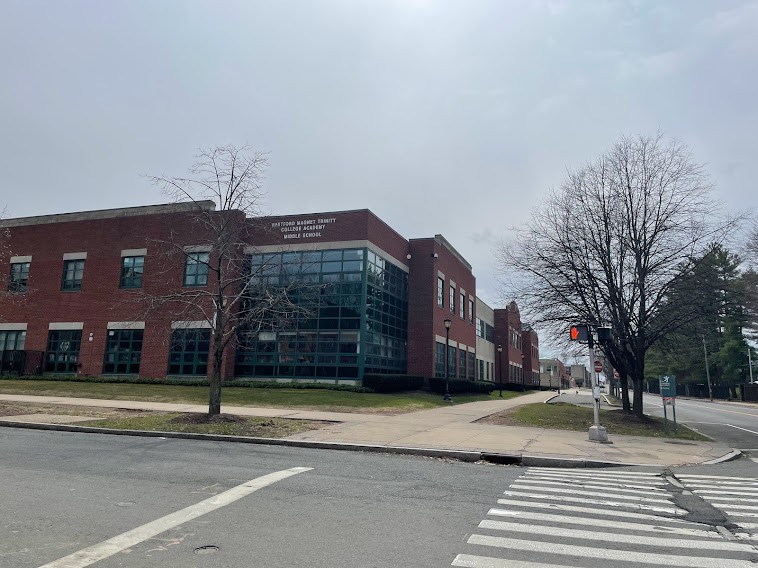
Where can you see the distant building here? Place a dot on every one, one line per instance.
(554, 373)
(580, 376)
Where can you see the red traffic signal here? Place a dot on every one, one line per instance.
(579, 333)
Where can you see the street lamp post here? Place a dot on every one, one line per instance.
(447, 397)
(500, 368)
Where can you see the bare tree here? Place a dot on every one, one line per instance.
(225, 294)
(610, 245)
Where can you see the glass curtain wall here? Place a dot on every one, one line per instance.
(351, 316)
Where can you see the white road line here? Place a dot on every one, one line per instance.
(640, 506)
(604, 523)
(643, 491)
(602, 472)
(608, 538)
(748, 526)
(721, 410)
(722, 484)
(743, 429)
(730, 506)
(109, 547)
(573, 481)
(471, 561)
(608, 554)
(594, 511)
(687, 477)
(602, 494)
(727, 495)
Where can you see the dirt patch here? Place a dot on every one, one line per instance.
(505, 418)
(9, 408)
(199, 418)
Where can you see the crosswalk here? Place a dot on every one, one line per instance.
(587, 518)
(737, 497)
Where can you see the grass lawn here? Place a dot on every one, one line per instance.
(317, 399)
(561, 416)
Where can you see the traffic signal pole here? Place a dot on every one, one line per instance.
(597, 432)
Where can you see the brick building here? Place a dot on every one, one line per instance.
(77, 285)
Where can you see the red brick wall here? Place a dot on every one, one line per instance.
(506, 320)
(530, 352)
(426, 319)
(100, 299)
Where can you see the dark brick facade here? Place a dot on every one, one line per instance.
(104, 235)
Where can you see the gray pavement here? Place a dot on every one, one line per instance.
(452, 428)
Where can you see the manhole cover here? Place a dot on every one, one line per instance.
(209, 549)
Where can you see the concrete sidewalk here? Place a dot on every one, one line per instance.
(446, 429)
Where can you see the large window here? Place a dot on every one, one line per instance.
(63, 350)
(12, 340)
(462, 363)
(471, 310)
(73, 273)
(351, 316)
(439, 359)
(123, 351)
(196, 269)
(471, 366)
(188, 354)
(451, 351)
(19, 277)
(440, 292)
(132, 268)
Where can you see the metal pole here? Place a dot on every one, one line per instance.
(447, 397)
(500, 368)
(750, 362)
(597, 433)
(707, 371)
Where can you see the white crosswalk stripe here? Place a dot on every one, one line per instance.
(737, 497)
(573, 519)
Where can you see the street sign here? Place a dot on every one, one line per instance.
(668, 400)
(616, 375)
(668, 386)
(598, 366)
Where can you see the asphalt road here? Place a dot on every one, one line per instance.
(62, 492)
(185, 503)
(733, 424)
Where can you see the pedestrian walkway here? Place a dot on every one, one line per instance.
(736, 497)
(574, 519)
(453, 428)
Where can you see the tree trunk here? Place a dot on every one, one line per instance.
(625, 393)
(638, 382)
(214, 401)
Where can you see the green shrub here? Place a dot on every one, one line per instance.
(189, 382)
(392, 383)
(437, 384)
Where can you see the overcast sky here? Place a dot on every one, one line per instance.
(450, 117)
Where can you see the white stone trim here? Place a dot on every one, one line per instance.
(306, 247)
(133, 252)
(453, 344)
(63, 325)
(126, 325)
(13, 326)
(462, 291)
(472, 350)
(441, 274)
(186, 324)
(197, 248)
(74, 256)
(439, 339)
(453, 284)
(17, 259)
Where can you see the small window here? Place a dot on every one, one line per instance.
(196, 269)
(471, 310)
(73, 272)
(62, 354)
(440, 292)
(12, 340)
(19, 277)
(132, 268)
(462, 307)
(452, 299)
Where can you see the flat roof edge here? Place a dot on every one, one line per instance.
(96, 214)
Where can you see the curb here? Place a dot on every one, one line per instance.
(525, 460)
(733, 455)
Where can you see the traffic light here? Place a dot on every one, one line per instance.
(603, 334)
(580, 333)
